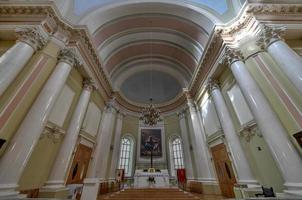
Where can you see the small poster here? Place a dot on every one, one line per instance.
(151, 140)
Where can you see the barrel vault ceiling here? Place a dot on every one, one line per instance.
(150, 48)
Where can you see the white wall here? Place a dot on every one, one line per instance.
(92, 119)
(62, 106)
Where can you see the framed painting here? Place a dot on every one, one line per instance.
(151, 139)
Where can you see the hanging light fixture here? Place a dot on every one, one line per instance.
(150, 115)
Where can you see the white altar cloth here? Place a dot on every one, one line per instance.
(161, 179)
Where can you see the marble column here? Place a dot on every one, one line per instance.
(57, 177)
(186, 145)
(116, 145)
(15, 58)
(25, 139)
(283, 151)
(98, 166)
(289, 61)
(203, 166)
(104, 142)
(244, 173)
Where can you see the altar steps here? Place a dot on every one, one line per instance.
(149, 194)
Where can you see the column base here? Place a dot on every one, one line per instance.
(246, 189)
(90, 188)
(249, 183)
(293, 189)
(10, 191)
(54, 185)
(54, 189)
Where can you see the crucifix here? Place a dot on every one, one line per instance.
(149, 145)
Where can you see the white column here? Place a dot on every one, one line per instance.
(15, 58)
(283, 151)
(59, 171)
(289, 61)
(104, 142)
(116, 146)
(203, 166)
(208, 154)
(98, 166)
(244, 173)
(23, 143)
(186, 145)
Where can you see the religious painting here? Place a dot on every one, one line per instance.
(151, 141)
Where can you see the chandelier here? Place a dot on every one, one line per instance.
(150, 115)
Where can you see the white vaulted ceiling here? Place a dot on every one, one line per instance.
(132, 37)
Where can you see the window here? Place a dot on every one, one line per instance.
(125, 155)
(177, 154)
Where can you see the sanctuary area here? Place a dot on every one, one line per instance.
(150, 99)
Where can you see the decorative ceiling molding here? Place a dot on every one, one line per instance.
(151, 49)
(154, 21)
(160, 58)
(135, 108)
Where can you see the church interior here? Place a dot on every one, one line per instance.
(150, 99)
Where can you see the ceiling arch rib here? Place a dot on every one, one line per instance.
(192, 47)
(177, 52)
(101, 15)
(164, 62)
(151, 49)
(155, 21)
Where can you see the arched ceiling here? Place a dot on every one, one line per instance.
(133, 37)
(140, 86)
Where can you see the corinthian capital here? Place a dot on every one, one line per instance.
(88, 84)
(232, 55)
(212, 84)
(269, 35)
(31, 36)
(181, 114)
(69, 56)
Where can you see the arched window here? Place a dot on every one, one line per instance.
(125, 161)
(177, 154)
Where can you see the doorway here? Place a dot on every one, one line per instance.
(79, 165)
(224, 170)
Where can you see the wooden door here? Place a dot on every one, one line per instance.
(224, 170)
(79, 165)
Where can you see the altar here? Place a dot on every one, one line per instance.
(161, 179)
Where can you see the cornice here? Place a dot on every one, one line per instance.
(167, 107)
(211, 52)
(257, 8)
